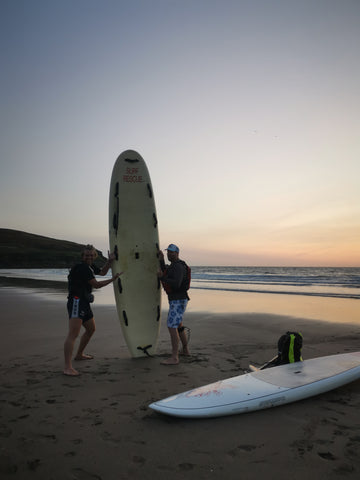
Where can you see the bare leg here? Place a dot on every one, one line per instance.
(184, 340)
(74, 330)
(174, 359)
(89, 326)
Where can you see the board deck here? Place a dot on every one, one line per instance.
(264, 388)
(134, 238)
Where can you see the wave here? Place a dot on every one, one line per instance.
(279, 292)
(310, 281)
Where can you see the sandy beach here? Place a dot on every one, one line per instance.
(99, 426)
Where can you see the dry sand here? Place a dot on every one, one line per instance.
(99, 426)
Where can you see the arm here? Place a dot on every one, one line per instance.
(161, 261)
(106, 267)
(96, 284)
(162, 265)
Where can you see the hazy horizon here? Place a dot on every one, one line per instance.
(245, 111)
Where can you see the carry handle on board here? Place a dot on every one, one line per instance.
(149, 190)
(116, 213)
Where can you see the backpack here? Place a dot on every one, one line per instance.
(289, 350)
(187, 279)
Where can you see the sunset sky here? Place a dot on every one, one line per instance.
(245, 111)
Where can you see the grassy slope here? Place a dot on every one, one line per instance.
(26, 250)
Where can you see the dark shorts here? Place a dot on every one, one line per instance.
(79, 308)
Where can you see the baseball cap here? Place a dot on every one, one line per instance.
(172, 248)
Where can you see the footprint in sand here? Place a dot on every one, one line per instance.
(139, 460)
(344, 469)
(327, 455)
(243, 449)
(80, 474)
(33, 464)
(186, 467)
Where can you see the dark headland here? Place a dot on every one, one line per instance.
(26, 250)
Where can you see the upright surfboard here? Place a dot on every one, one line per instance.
(264, 388)
(134, 238)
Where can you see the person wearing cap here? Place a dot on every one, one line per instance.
(175, 283)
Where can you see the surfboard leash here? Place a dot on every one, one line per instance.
(187, 332)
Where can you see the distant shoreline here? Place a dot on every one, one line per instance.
(338, 310)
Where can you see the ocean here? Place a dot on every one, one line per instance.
(330, 294)
(313, 281)
(334, 282)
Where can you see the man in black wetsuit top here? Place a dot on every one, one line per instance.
(81, 282)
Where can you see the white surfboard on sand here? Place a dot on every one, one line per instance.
(264, 388)
(133, 236)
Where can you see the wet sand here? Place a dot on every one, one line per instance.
(99, 426)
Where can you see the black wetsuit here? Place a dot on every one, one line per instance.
(80, 295)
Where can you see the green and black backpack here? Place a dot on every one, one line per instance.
(289, 348)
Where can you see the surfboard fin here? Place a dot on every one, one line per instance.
(145, 349)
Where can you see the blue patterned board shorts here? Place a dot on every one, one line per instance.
(176, 311)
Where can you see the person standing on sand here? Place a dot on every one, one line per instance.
(175, 283)
(81, 282)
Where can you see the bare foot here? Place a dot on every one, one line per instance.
(185, 352)
(71, 372)
(84, 356)
(170, 361)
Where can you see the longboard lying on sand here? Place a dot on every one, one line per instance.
(264, 388)
(134, 238)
